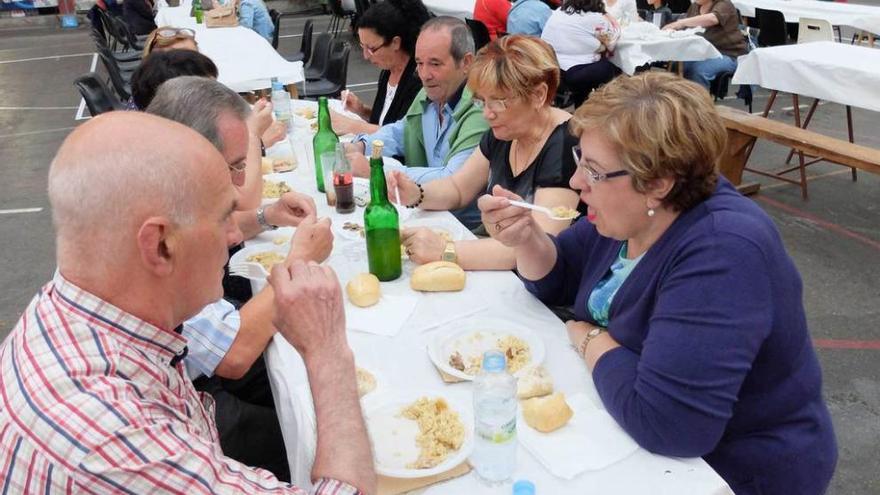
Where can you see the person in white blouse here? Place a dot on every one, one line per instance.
(624, 11)
(583, 36)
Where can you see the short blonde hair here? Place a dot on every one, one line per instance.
(662, 126)
(514, 65)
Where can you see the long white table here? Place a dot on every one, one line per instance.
(641, 43)
(838, 72)
(401, 362)
(244, 59)
(456, 8)
(864, 17)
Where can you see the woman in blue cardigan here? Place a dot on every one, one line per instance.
(689, 309)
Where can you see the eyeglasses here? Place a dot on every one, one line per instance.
(237, 168)
(168, 35)
(372, 50)
(494, 105)
(592, 175)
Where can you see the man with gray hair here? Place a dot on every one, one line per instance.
(225, 344)
(93, 393)
(442, 126)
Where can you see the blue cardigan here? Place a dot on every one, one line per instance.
(715, 358)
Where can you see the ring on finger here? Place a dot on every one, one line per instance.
(498, 227)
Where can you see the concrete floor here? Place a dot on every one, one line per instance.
(834, 237)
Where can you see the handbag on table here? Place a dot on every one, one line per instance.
(226, 16)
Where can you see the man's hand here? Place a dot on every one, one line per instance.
(276, 132)
(309, 311)
(312, 241)
(360, 166)
(409, 190)
(290, 209)
(422, 245)
(510, 225)
(260, 118)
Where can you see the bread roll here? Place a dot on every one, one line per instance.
(534, 381)
(546, 414)
(366, 382)
(438, 276)
(267, 166)
(363, 290)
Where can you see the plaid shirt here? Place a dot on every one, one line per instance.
(90, 402)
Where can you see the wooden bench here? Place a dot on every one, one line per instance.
(743, 129)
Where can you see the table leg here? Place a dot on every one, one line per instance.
(849, 130)
(766, 112)
(806, 123)
(294, 94)
(801, 167)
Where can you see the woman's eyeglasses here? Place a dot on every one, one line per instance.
(494, 105)
(372, 50)
(592, 175)
(168, 35)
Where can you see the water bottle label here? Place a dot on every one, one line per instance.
(497, 434)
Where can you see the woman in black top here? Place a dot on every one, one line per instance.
(387, 33)
(528, 151)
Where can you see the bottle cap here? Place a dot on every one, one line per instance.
(523, 487)
(494, 361)
(377, 149)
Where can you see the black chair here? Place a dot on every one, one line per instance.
(338, 15)
(305, 48)
(720, 86)
(97, 95)
(121, 83)
(480, 33)
(771, 24)
(125, 56)
(320, 54)
(276, 21)
(335, 75)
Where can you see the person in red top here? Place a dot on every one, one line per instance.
(493, 13)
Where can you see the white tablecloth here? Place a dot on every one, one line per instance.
(641, 43)
(244, 59)
(838, 72)
(401, 362)
(456, 8)
(865, 17)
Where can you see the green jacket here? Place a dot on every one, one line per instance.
(465, 134)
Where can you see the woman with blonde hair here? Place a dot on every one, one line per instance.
(528, 150)
(690, 313)
(170, 38)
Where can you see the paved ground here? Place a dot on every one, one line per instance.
(834, 237)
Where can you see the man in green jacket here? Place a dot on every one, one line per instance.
(442, 126)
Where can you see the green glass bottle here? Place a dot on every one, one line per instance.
(381, 224)
(197, 11)
(324, 141)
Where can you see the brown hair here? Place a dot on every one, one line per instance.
(514, 65)
(662, 126)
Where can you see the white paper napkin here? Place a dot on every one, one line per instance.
(591, 440)
(384, 318)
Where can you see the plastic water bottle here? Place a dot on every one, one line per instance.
(494, 456)
(281, 103)
(523, 487)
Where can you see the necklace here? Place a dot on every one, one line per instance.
(533, 150)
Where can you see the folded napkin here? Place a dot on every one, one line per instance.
(384, 318)
(397, 486)
(437, 309)
(590, 441)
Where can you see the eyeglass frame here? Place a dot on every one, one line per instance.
(179, 34)
(371, 50)
(238, 167)
(591, 174)
(481, 103)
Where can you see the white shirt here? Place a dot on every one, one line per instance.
(624, 11)
(573, 36)
(390, 91)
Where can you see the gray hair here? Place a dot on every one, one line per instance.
(198, 103)
(462, 42)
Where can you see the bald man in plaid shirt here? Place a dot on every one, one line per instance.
(94, 397)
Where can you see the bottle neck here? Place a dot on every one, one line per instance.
(324, 123)
(378, 188)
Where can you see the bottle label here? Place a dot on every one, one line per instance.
(497, 433)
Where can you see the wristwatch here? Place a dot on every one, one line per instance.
(592, 334)
(449, 252)
(261, 219)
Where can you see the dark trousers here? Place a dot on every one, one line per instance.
(581, 80)
(246, 420)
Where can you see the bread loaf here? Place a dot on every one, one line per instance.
(363, 290)
(366, 382)
(546, 414)
(438, 276)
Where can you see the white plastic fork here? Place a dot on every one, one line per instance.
(542, 209)
(247, 269)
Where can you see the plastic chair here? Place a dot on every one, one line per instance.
(276, 21)
(305, 48)
(120, 85)
(335, 75)
(480, 33)
(338, 15)
(320, 53)
(97, 95)
(772, 27)
(814, 30)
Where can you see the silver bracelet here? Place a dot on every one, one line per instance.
(261, 219)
